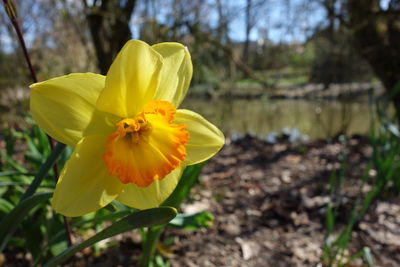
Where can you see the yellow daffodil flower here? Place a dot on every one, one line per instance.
(131, 142)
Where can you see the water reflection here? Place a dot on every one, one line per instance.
(314, 118)
(263, 117)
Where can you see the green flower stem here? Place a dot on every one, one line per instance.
(149, 245)
(188, 180)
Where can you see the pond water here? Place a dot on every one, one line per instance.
(262, 117)
(310, 118)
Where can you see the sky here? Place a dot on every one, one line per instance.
(280, 23)
(277, 21)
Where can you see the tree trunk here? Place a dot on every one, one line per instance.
(248, 21)
(109, 28)
(376, 34)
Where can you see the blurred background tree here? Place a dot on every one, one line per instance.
(289, 72)
(376, 34)
(109, 27)
(265, 42)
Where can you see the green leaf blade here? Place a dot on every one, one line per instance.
(44, 169)
(10, 222)
(144, 218)
(194, 221)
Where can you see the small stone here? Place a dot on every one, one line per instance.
(233, 229)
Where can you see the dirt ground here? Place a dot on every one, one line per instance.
(269, 203)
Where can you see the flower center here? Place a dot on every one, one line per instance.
(132, 127)
(148, 147)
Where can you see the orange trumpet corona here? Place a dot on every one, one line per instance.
(148, 147)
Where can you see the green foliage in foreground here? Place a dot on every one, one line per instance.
(144, 218)
(27, 220)
(386, 162)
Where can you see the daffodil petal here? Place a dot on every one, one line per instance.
(63, 106)
(132, 80)
(153, 195)
(101, 123)
(205, 140)
(85, 184)
(176, 72)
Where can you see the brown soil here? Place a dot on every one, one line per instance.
(269, 203)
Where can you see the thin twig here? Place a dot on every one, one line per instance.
(68, 230)
(11, 11)
(12, 14)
